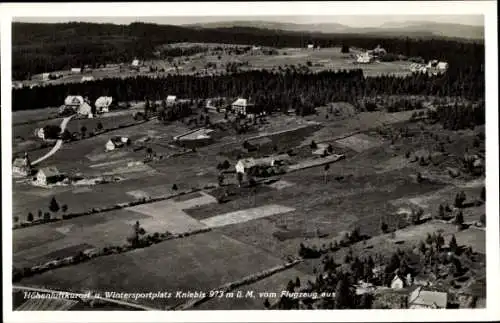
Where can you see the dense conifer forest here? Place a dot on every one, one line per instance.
(60, 46)
(41, 48)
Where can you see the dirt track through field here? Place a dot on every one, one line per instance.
(58, 144)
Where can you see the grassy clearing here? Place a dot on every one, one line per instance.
(359, 142)
(189, 264)
(28, 116)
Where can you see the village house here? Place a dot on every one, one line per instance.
(78, 104)
(48, 175)
(242, 106)
(87, 78)
(364, 58)
(425, 299)
(40, 133)
(73, 101)
(377, 52)
(76, 70)
(103, 103)
(135, 65)
(171, 99)
(116, 142)
(397, 282)
(245, 165)
(22, 166)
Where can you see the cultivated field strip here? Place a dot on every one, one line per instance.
(245, 215)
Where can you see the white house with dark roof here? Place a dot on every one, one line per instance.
(48, 175)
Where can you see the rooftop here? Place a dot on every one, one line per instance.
(50, 171)
(241, 102)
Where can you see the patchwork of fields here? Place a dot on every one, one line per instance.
(255, 227)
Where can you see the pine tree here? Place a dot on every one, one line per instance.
(343, 295)
(54, 206)
(453, 244)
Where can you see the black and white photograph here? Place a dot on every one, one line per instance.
(250, 159)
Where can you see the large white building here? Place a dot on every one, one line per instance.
(103, 103)
(242, 106)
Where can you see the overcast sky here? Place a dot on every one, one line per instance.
(354, 21)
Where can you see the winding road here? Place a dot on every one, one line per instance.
(58, 144)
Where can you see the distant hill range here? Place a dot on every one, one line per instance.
(422, 29)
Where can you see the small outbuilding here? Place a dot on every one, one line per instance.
(116, 142)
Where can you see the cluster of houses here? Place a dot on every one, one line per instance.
(241, 106)
(82, 106)
(22, 167)
(420, 292)
(370, 55)
(116, 142)
(76, 104)
(434, 67)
